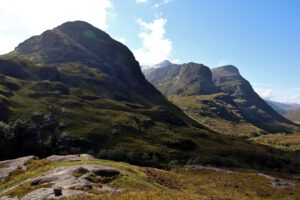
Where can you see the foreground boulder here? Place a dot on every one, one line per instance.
(8, 166)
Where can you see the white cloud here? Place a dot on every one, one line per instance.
(264, 93)
(164, 2)
(156, 47)
(22, 19)
(141, 1)
(276, 93)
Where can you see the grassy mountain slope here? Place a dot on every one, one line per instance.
(133, 182)
(74, 89)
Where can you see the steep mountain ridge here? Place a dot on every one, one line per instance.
(253, 107)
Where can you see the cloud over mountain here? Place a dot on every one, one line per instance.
(156, 47)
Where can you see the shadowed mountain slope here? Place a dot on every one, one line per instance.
(253, 107)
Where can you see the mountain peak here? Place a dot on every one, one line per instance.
(227, 69)
(183, 79)
(163, 64)
(76, 41)
(82, 28)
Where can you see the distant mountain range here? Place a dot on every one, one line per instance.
(290, 111)
(219, 98)
(294, 115)
(282, 108)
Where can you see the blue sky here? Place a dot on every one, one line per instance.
(260, 37)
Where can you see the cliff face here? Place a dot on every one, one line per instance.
(252, 106)
(184, 80)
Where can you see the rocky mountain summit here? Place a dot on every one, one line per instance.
(187, 79)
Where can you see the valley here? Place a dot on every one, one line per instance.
(74, 102)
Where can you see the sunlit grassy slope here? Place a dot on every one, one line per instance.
(180, 183)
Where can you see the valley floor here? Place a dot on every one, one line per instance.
(84, 177)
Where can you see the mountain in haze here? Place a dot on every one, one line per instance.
(219, 98)
(294, 115)
(290, 111)
(74, 89)
(282, 108)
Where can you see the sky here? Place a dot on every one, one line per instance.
(261, 38)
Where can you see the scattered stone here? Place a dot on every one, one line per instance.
(9, 198)
(276, 182)
(80, 171)
(83, 187)
(57, 191)
(48, 193)
(40, 181)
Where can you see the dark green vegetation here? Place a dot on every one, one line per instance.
(191, 182)
(74, 89)
(219, 98)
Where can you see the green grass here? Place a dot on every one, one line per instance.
(280, 141)
(150, 183)
(195, 108)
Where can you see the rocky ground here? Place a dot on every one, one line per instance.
(84, 177)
